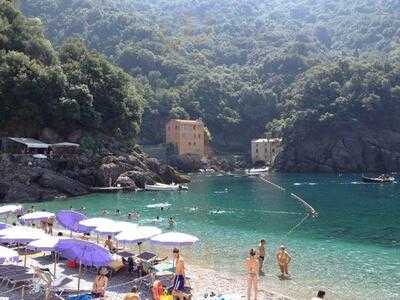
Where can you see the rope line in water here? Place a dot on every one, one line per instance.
(302, 201)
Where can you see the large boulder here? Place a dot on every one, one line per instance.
(186, 162)
(141, 177)
(108, 173)
(51, 180)
(4, 188)
(170, 175)
(126, 182)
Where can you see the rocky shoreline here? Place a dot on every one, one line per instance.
(24, 178)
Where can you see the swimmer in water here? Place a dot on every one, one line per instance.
(104, 212)
(171, 222)
(129, 216)
(117, 212)
(83, 208)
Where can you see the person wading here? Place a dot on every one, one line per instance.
(252, 268)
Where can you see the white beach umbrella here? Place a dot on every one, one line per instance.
(37, 216)
(96, 222)
(7, 254)
(174, 239)
(138, 234)
(47, 243)
(21, 234)
(6, 209)
(115, 227)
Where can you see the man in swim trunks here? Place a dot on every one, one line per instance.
(283, 258)
(252, 268)
(110, 245)
(261, 256)
(179, 279)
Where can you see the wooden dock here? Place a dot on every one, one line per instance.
(111, 189)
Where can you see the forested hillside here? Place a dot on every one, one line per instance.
(244, 65)
(69, 90)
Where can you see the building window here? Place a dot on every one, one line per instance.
(256, 150)
(190, 144)
(194, 144)
(176, 126)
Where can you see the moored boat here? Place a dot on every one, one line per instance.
(255, 171)
(165, 187)
(379, 179)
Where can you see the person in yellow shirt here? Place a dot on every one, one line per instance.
(133, 295)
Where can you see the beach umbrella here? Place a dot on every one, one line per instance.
(7, 254)
(46, 243)
(37, 216)
(4, 225)
(137, 235)
(86, 253)
(174, 239)
(21, 235)
(70, 220)
(115, 227)
(6, 209)
(92, 223)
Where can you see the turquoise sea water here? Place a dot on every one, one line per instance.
(352, 250)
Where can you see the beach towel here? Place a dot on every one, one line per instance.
(81, 297)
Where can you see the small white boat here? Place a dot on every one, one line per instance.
(258, 171)
(165, 187)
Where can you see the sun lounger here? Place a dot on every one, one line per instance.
(16, 279)
(147, 256)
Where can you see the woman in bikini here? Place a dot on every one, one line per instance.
(100, 284)
(252, 268)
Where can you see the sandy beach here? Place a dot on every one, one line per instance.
(204, 282)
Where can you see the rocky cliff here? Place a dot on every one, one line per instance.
(351, 150)
(24, 178)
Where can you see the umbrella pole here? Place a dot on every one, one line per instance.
(79, 277)
(55, 264)
(25, 258)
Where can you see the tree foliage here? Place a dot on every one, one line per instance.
(65, 90)
(241, 64)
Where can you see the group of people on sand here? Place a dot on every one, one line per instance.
(255, 264)
(177, 290)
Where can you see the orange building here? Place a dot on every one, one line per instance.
(187, 135)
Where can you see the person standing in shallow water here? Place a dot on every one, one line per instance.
(283, 258)
(252, 268)
(261, 256)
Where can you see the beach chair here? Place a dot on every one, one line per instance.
(147, 256)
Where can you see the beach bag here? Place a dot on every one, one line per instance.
(72, 264)
(167, 297)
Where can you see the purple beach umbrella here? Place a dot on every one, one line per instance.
(3, 225)
(70, 220)
(86, 253)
